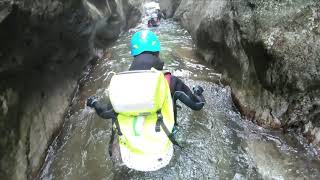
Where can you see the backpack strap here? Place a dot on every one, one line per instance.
(167, 75)
(159, 119)
(111, 141)
(116, 123)
(165, 129)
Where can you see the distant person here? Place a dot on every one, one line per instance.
(153, 21)
(164, 14)
(159, 15)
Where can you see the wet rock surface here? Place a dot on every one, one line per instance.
(169, 6)
(269, 53)
(44, 48)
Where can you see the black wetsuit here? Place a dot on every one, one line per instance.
(159, 15)
(152, 23)
(178, 89)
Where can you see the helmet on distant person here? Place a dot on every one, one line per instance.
(144, 40)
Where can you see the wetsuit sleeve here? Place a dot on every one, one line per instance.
(185, 95)
(104, 110)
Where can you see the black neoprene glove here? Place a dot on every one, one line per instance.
(91, 100)
(198, 90)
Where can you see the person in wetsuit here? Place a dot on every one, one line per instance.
(145, 48)
(153, 21)
(160, 15)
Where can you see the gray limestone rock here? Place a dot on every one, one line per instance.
(44, 47)
(169, 6)
(267, 50)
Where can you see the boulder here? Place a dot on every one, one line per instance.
(267, 50)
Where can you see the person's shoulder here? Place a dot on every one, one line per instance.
(175, 79)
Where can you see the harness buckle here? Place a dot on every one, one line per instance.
(159, 121)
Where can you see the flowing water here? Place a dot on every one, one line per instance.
(218, 142)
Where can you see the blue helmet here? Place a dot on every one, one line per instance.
(144, 41)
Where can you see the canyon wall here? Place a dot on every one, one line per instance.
(44, 48)
(268, 51)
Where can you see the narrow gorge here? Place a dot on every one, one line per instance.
(258, 62)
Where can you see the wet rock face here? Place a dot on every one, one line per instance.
(169, 6)
(270, 51)
(44, 47)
